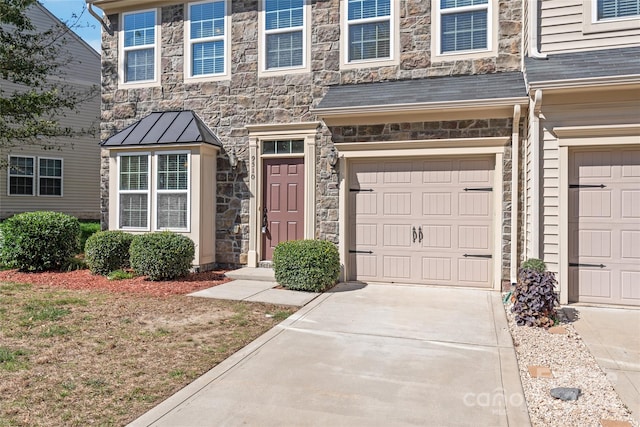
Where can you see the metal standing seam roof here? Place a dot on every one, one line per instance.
(169, 127)
(429, 90)
(584, 65)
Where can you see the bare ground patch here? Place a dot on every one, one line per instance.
(94, 357)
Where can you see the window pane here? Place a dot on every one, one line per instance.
(361, 9)
(50, 187)
(50, 167)
(207, 20)
(172, 210)
(208, 58)
(297, 146)
(283, 147)
(20, 185)
(133, 210)
(140, 65)
(21, 166)
(172, 172)
(283, 14)
(618, 8)
(134, 173)
(284, 50)
(139, 28)
(447, 4)
(369, 41)
(269, 147)
(464, 31)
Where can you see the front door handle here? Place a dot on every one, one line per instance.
(265, 221)
(420, 235)
(415, 235)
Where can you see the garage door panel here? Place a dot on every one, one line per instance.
(366, 234)
(631, 285)
(437, 204)
(397, 173)
(474, 172)
(366, 204)
(474, 237)
(474, 204)
(437, 171)
(396, 267)
(472, 272)
(397, 235)
(396, 203)
(436, 269)
(366, 266)
(436, 236)
(604, 226)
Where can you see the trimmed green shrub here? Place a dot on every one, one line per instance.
(534, 298)
(161, 256)
(39, 241)
(106, 251)
(306, 265)
(534, 264)
(86, 230)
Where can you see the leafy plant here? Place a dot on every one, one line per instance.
(306, 265)
(86, 230)
(534, 298)
(39, 241)
(534, 264)
(106, 251)
(120, 275)
(161, 256)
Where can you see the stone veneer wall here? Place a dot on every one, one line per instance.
(245, 99)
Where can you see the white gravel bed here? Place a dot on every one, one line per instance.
(573, 366)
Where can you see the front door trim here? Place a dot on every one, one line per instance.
(305, 131)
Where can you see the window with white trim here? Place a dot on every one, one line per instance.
(133, 191)
(284, 32)
(613, 9)
(49, 177)
(21, 176)
(139, 35)
(206, 38)
(172, 191)
(464, 25)
(369, 29)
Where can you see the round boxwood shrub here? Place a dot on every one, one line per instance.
(161, 256)
(39, 241)
(306, 265)
(106, 251)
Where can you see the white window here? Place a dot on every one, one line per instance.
(464, 25)
(172, 191)
(139, 46)
(206, 39)
(369, 28)
(133, 191)
(21, 176)
(49, 177)
(613, 9)
(284, 34)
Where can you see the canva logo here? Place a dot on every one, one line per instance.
(496, 399)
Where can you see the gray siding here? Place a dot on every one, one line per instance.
(81, 155)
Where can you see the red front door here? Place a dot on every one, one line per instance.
(283, 204)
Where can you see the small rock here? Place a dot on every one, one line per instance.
(540, 372)
(614, 423)
(565, 393)
(557, 330)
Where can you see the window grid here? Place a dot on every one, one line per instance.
(21, 176)
(284, 33)
(50, 177)
(369, 29)
(289, 146)
(139, 33)
(611, 9)
(172, 191)
(207, 38)
(463, 25)
(134, 191)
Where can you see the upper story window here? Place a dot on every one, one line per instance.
(369, 29)
(611, 9)
(26, 180)
(284, 29)
(139, 46)
(464, 25)
(206, 39)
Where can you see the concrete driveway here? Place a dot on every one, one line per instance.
(366, 355)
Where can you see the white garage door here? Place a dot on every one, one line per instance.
(425, 221)
(604, 226)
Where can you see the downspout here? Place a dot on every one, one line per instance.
(103, 21)
(533, 31)
(515, 154)
(535, 175)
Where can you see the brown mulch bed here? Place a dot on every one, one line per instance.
(84, 280)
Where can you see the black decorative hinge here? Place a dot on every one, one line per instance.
(479, 189)
(587, 186)
(579, 264)
(477, 256)
(357, 190)
(360, 252)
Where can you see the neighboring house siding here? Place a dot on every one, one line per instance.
(250, 98)
(80, 155)
(563, 29)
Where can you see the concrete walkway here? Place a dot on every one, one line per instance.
(613, 338)
(377, 355)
